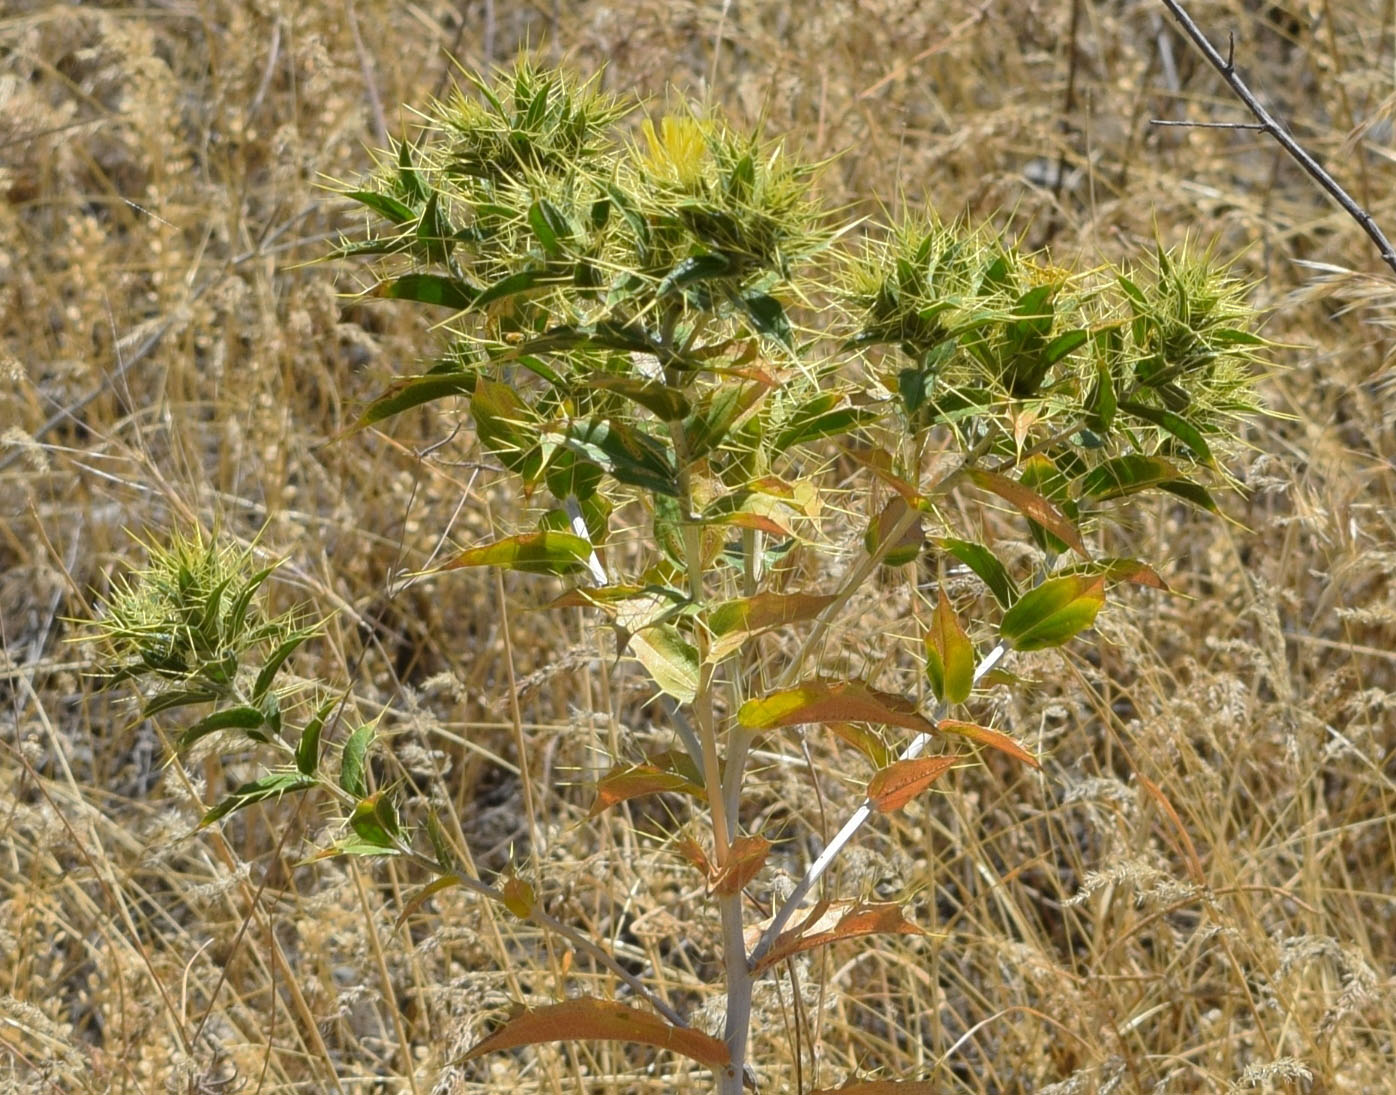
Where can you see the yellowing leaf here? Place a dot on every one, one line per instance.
(745, 859)
(830, 922)
(733, 622)
(549, 552)
(984, 736)
(671, 661)
(586, 1018)
(865, 741)
(1030, 504)
(1053, 612)
(949, 655)
(908, 545)
(822, 700)
(897, 784)
(519, 897)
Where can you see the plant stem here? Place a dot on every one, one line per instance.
(860, 816)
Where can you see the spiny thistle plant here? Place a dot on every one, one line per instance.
(671, 323)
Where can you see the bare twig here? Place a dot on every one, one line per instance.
(1226, 66)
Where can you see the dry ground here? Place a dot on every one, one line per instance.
(1200, 893)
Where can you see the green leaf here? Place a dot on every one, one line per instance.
(232, 718)
(430, 289)
(408, 176)
(985, 564)
(374, 820)
(1125, 475)
(546, 552)
(258, 790)
(352, 761)
(510, 286)
(434, 231)
(383, 204)
(308, 748)
(627, 453)
(801, 430)
(667, 403)
(1191, 492)
(670, 659)
(275, 662)
(1054, 612)
(549, 225)
(413, 391)
(949, 655)
(180, 697)
(768, 317)
(1175, 424)
(696, 268)
(1062, 345)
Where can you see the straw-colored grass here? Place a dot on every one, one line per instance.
(1199, 892)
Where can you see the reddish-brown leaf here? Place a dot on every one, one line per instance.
(640, 779)
(984, 736)
(519, 897)
(882, 1087)
(744, 862)
(586, 1018)
(1030, 504)
(834, 921)
(897, 784)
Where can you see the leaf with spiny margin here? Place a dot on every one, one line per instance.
(768, 317)
(982, 735)
(626, 453)
(1054, 612)
(821, 700)
(831, 922)
(586, 1018)
(745, 859)
(276, 661)
(1124, 475)
(696, 268)
(384, 205)
(413, 391)
(549, 225)
(436, 289)
(1175, 424)
(731, 623)
(985, 564)
(898, 783)
(546, 552)
(352, 761)
(230, 718)
(374, 820)
(1030, 504)
(672, 661)
(866, 741)
(666, 403)
(308, 748)
(1192, 492)
(179, 697)
(665, 772)
(258, 790)
(949, 655)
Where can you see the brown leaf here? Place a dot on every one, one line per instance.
(882, 1087)
(897, 784)
(1030, 504)
(744, 862)
(984, 736)
(835, 921)
(585, 1018)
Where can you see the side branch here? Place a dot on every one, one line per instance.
(850, 828)
(1226, 66)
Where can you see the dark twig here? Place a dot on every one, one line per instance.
(1226, 66)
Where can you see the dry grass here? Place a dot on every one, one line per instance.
(1196, 896)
